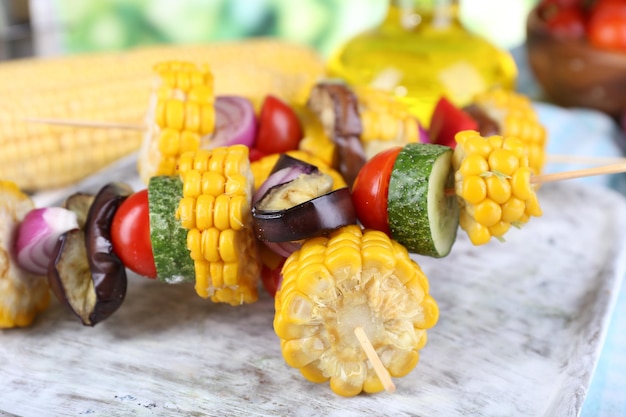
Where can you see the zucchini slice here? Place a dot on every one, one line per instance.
(167, 235)
(421, 216)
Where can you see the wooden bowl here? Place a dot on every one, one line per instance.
(572, 73)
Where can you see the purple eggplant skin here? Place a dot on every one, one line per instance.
(345, 129)
(69, 276)
(314, 217)
(107, 270)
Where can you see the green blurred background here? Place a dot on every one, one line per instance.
(53, 27)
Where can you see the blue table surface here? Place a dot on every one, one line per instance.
(590, 133)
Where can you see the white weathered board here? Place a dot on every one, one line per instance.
(521, 326)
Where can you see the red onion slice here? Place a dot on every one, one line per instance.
(38, 234)
(235, 122)
(285, 170)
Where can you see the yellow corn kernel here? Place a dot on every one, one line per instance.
(210, 245)
(204, 211)
(186, 212)
(213, 183)
(192, 184)
(201, 269)
(189, 141)
(487, 212)
(238, 207)
(194, 244)
(169, 142)
(513, 210)
(313, 373)
(498, 189)
(472, 189)
(478, 234)
(499, 229)
(520, 184)
(503, 161)
(221, 212)
(473, 164)
(201, 161)
(477, 145)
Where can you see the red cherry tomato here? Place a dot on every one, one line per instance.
(564, 21)
(607, 24)
(130, 235)
(370, 189)
(279, 127)
(271, 278)
(447, 120)
(255, 154)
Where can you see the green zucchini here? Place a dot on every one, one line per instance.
(421, 216)
(167, 235)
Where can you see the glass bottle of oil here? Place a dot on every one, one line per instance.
(422, 51)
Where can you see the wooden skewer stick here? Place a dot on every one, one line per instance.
(579, 173)
(85, 123)
(379, 368)
(582, 159)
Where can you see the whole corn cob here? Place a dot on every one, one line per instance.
(516, 117)
(352, 278)
(115, 87)
(22, 294)
(492, 181)
(215, 208)
(183, 111)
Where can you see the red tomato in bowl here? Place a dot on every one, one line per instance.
(130, 235)
(371, 188)
(607, 24)
(279, 127)
(563, 20)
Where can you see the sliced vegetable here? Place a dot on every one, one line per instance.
(37, 236)
(107, 270)
(235, 122)
(280, 220)
(215, 210)
(370, 190)
(448, 119)
(130, 235)
(169, 238)
(296, 202)
(286, 169)
(352, 278)
(337, 108)
(422, 216)
(279, 127)
(69, 276)
(85, 274)
(492, 183)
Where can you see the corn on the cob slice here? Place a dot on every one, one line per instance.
(386, 121)
(516, 117)
(183, 115)
(215, 208)
(22, 294)
(352, 278)
(115, 87)
(492, 181)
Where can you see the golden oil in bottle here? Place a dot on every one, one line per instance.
(421, 51)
